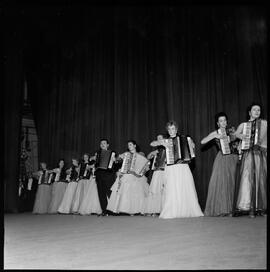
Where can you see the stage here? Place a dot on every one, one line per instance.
(138, 242)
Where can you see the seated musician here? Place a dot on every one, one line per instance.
(250, 193)
(154, 199)
(130, 188)
(105, 173)
(180, 196)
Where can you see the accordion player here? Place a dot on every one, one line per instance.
(224, 142)
(105, 159)
(252, 131)
(134, 163)
(180, 149)
(159, 160)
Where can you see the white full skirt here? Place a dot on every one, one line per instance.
(180, 196)
(153, 203)
(78, 196)
(65, 206)
(58, 192)
(90, 201)
(128, 194)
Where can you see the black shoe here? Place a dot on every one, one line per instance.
(263, 213)
(109, 212)
(104, 214)
(236, 214)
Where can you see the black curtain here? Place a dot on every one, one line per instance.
(122, 72)
(12, 106)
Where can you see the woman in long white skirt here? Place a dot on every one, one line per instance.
(180, 196)
(84, 175)
(58, 187)
(65, 206)
(43, 195)
(154, 201)
(90, 203)
(129, 192)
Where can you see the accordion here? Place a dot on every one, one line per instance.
(105, 159)
(135, 164)
(159, 160)
(51, 178)
(252, 131)
(224, 143)
(179, 149)
(45, 178)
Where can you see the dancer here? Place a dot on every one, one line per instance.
(180, 197)
(105, 175)
(130, 189)
(43, 195)
(251, 195)
(90, 202)
(154, 199)
(84, 176)
(58, 187)
(222, 182)
(73, 173)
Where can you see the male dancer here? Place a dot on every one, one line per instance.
(104, 179)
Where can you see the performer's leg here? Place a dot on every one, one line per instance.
(101, 187)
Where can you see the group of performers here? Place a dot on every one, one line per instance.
(109, 184)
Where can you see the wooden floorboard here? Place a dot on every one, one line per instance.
(124, 242)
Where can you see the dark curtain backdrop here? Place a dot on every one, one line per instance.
(12, 108)
(122, 72)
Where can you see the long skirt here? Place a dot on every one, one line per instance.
(90, 201)
(77, 200)
(180, 196)
(128, 194)
(65, 206)
(251, 192)
(153, 203)
(43, 198)
(58, 191)
(221, 186)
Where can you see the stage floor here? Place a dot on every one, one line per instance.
(138, 242)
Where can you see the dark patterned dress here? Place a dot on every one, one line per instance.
(222, 182)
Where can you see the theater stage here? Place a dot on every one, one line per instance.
(124, 242)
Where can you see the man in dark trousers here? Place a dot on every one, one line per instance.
(105, 175)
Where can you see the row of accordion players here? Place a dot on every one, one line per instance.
(75, 190)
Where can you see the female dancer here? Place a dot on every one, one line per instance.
(222, 182)
(84, 175)
(43, 195)
(128, 191)
(251, 195)
(73, 173)
(58, 187)
(90, 202)
(180, 197)
(154, 199)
